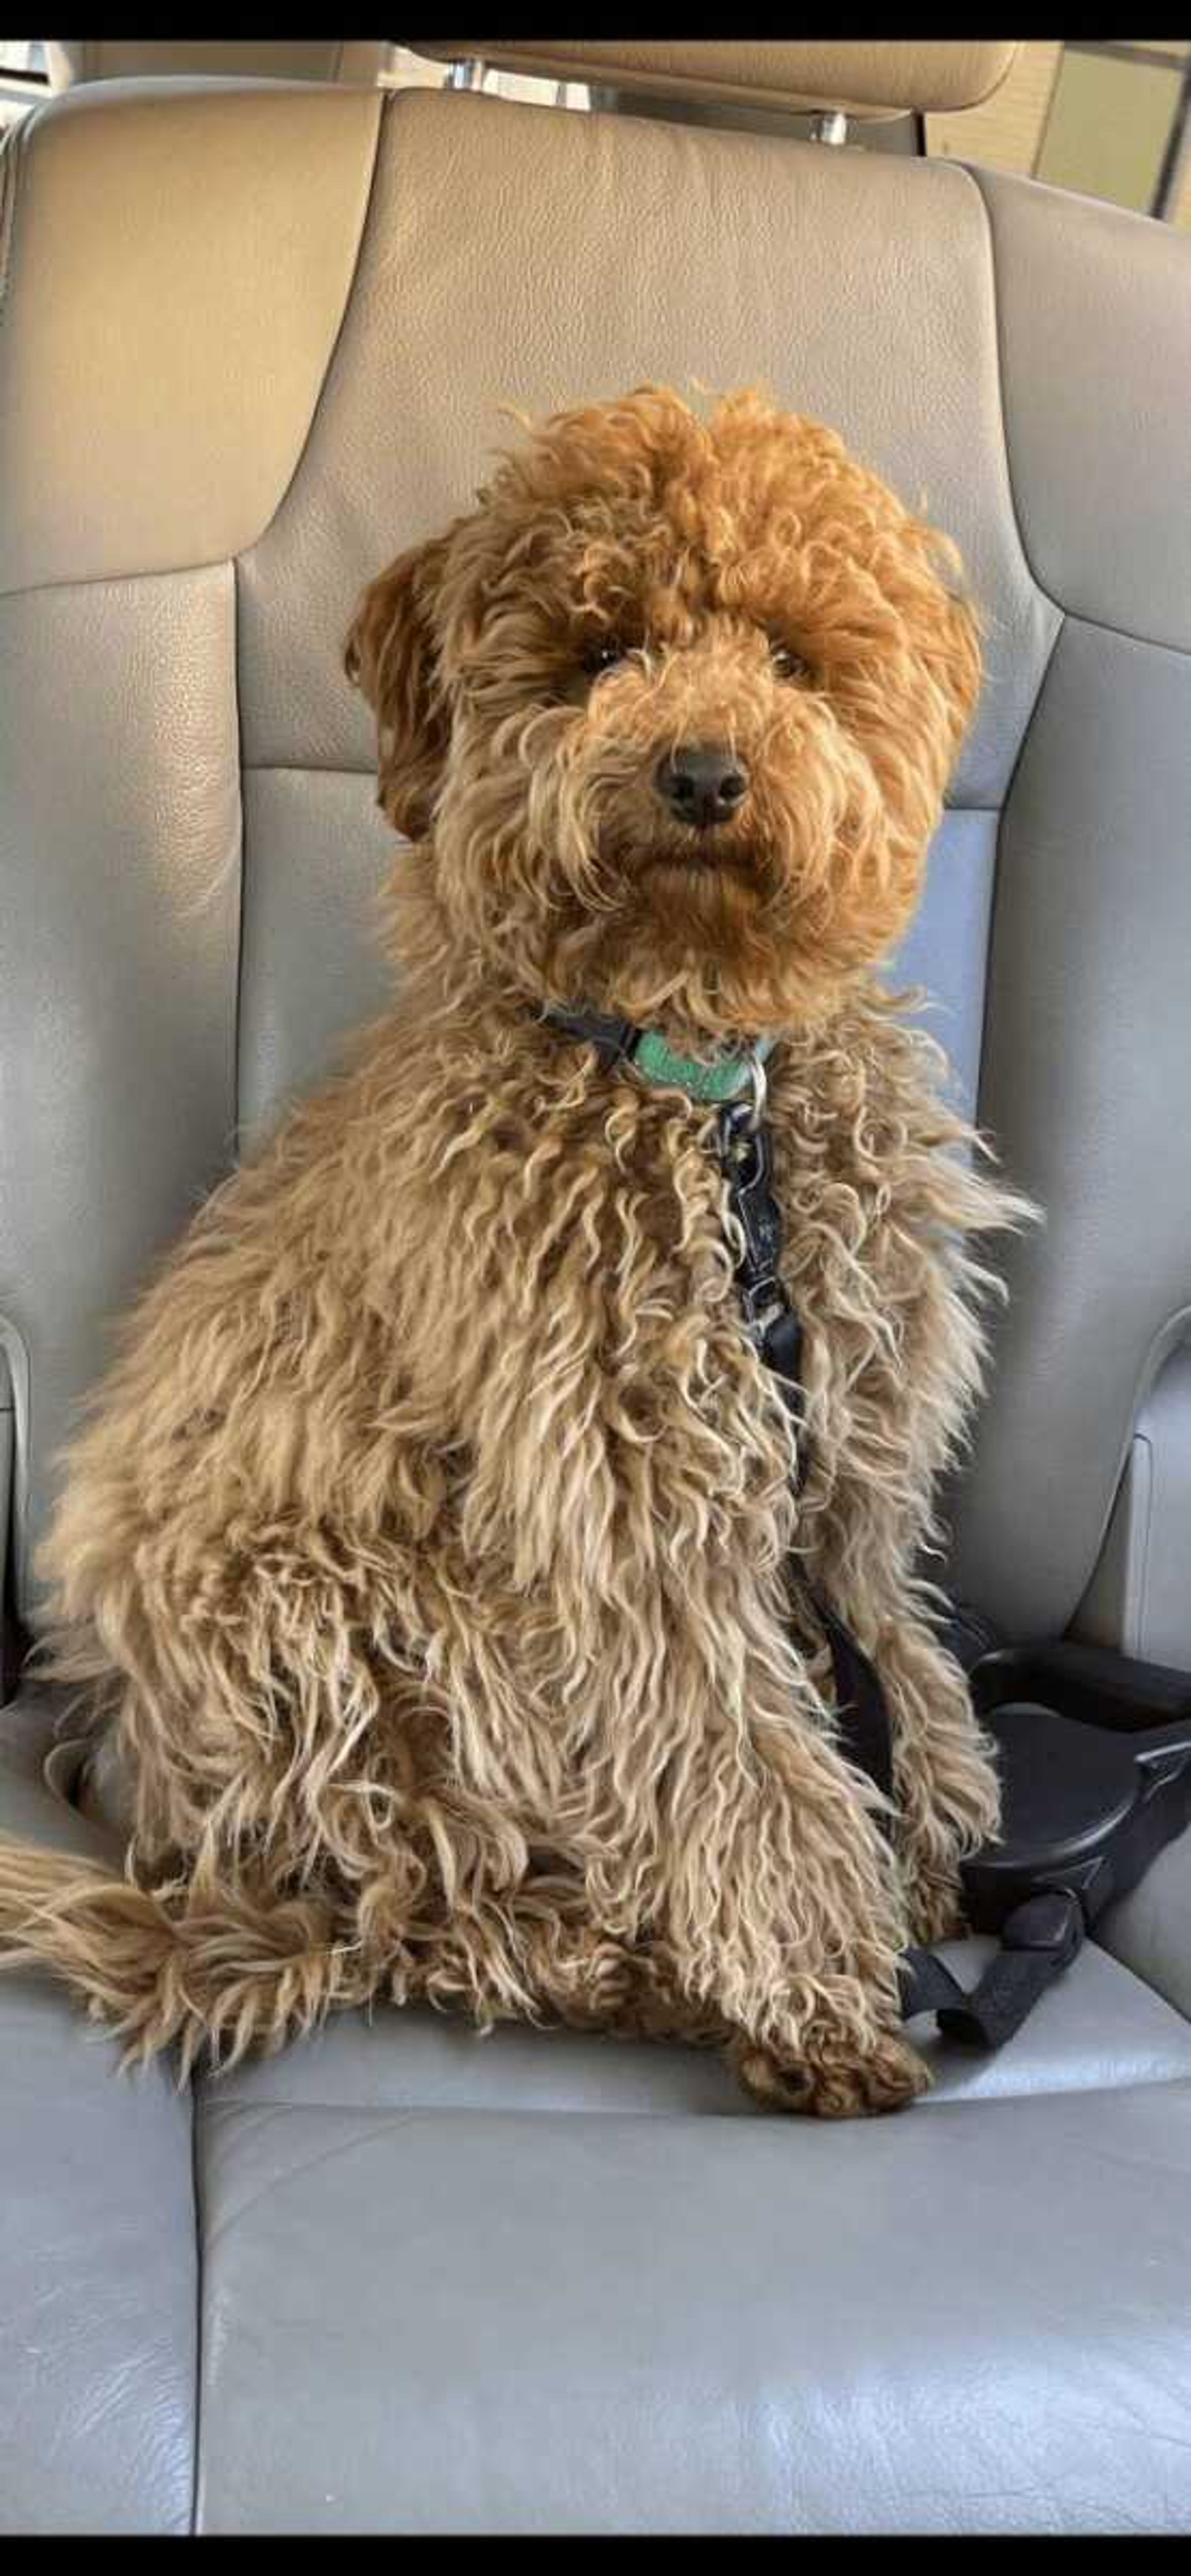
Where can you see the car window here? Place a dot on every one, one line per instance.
(1106, 119)
(22, 58)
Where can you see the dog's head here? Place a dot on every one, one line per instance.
(674, 709)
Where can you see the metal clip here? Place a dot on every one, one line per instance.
(762, 1302)
(760, 1083)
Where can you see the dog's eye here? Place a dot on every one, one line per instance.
(602, 654)
(788, 664)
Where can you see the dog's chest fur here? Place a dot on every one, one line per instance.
(615, 1426)
(583, 1469)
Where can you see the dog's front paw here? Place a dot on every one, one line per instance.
(884, 2078)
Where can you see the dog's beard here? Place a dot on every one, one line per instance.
(569, 878)
(704, 934)
(724, 896)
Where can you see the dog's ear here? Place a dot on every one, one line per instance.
(391, 655)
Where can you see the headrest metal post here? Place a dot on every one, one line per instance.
(468, 74)
(830, 126)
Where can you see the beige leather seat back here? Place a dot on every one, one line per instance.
(224, 405)
(96, 58)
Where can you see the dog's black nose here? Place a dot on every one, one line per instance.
(702, 784)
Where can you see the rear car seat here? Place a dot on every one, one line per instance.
(252, 343)
(220, 57)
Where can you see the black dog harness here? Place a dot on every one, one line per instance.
(1092, 1788)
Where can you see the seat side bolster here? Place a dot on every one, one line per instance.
(30, 1810)
(1150, 1930)
(1094, 337)
(98, 2321)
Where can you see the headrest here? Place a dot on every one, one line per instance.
(884, 78)
(104, 58)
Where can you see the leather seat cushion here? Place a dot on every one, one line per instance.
(519, 2320)
(543, 2283)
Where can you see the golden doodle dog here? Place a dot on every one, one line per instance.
(427, 1547)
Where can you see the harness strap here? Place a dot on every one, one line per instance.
(861, 1705)
(862, 1710)
(613, 1039)
(1038, 1941)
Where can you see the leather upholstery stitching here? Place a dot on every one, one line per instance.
(199, 2290)
(994, 900)
(20, 1379)
(973, 179)
(243, 906)
(336, 336)
(12, 147)
(1135, 1645)
(1162, 1342)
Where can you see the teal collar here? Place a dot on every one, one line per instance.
(621, 1042)
(723, 1080)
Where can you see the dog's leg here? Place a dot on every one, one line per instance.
(891, 1387)
(591, 1980)
(944, 1779)
(781, 1908)
(285, 1838)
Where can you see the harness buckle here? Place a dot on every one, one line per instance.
(1050, 1920)
(762, 1302)
(759, 1082)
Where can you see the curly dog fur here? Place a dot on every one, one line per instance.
(425, 1546)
